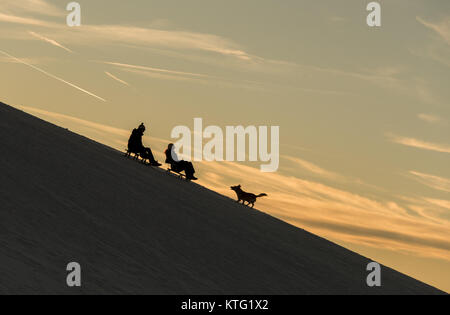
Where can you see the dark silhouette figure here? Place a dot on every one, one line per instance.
(245, 196)
(135, 146)
(178, 166)
(135, 142)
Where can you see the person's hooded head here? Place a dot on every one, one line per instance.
(141, 127)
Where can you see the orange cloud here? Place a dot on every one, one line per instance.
(415, 143)
(433, 181)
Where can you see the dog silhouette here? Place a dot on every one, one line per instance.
(245, 196)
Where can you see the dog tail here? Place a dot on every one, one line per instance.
(261, 195)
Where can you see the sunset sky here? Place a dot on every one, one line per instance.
(364, 113)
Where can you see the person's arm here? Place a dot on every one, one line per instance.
(174, 156)
(168, 157)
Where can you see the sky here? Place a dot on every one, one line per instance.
(364, 113)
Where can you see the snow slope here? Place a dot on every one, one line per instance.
(135, 229)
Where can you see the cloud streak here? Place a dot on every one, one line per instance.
(11, 60)
(179, 40)
(147, 37)
(152, 69)
(166, 74)
(433, 181)
(116, 78)
(50, 41)
(311, 167)
(416, 143)
(442, 28)
(31, 6)
(429, 118)
(53, 76)
(23, 20)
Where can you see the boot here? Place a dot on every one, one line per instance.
(155, 163)
(191, 177)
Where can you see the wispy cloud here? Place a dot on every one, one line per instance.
(384, 76)
(6, 59)
(179, 40)
(429, 118)
(52, 76)
(311, 167)
(152, 69)
(416, 143)
(50, 41)
(439, 202)
(433, 181)
(31, 6)
(186, 42)
(434, 210)
(441, 28)
(163, 76)
(435, 52)
(9, 18)
(116, 78)
(168, 74)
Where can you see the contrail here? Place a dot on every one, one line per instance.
(153, 69)
(50, 41)
(116, 78)
(53, 76)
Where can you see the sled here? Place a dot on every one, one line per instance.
(128, 154)
(177, 174)
(137, 157)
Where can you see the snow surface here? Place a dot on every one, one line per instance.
(135, 229)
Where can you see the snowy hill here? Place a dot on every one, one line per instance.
(135, 229)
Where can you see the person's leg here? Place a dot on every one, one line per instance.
(189, 170)
(149, 155)
(133, 149)
(140, 150)
(177, 167)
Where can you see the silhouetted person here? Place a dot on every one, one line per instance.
(178, 166)
(135, 145)
(135, 142)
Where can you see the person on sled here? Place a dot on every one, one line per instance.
(178, 166)
(135, 145)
